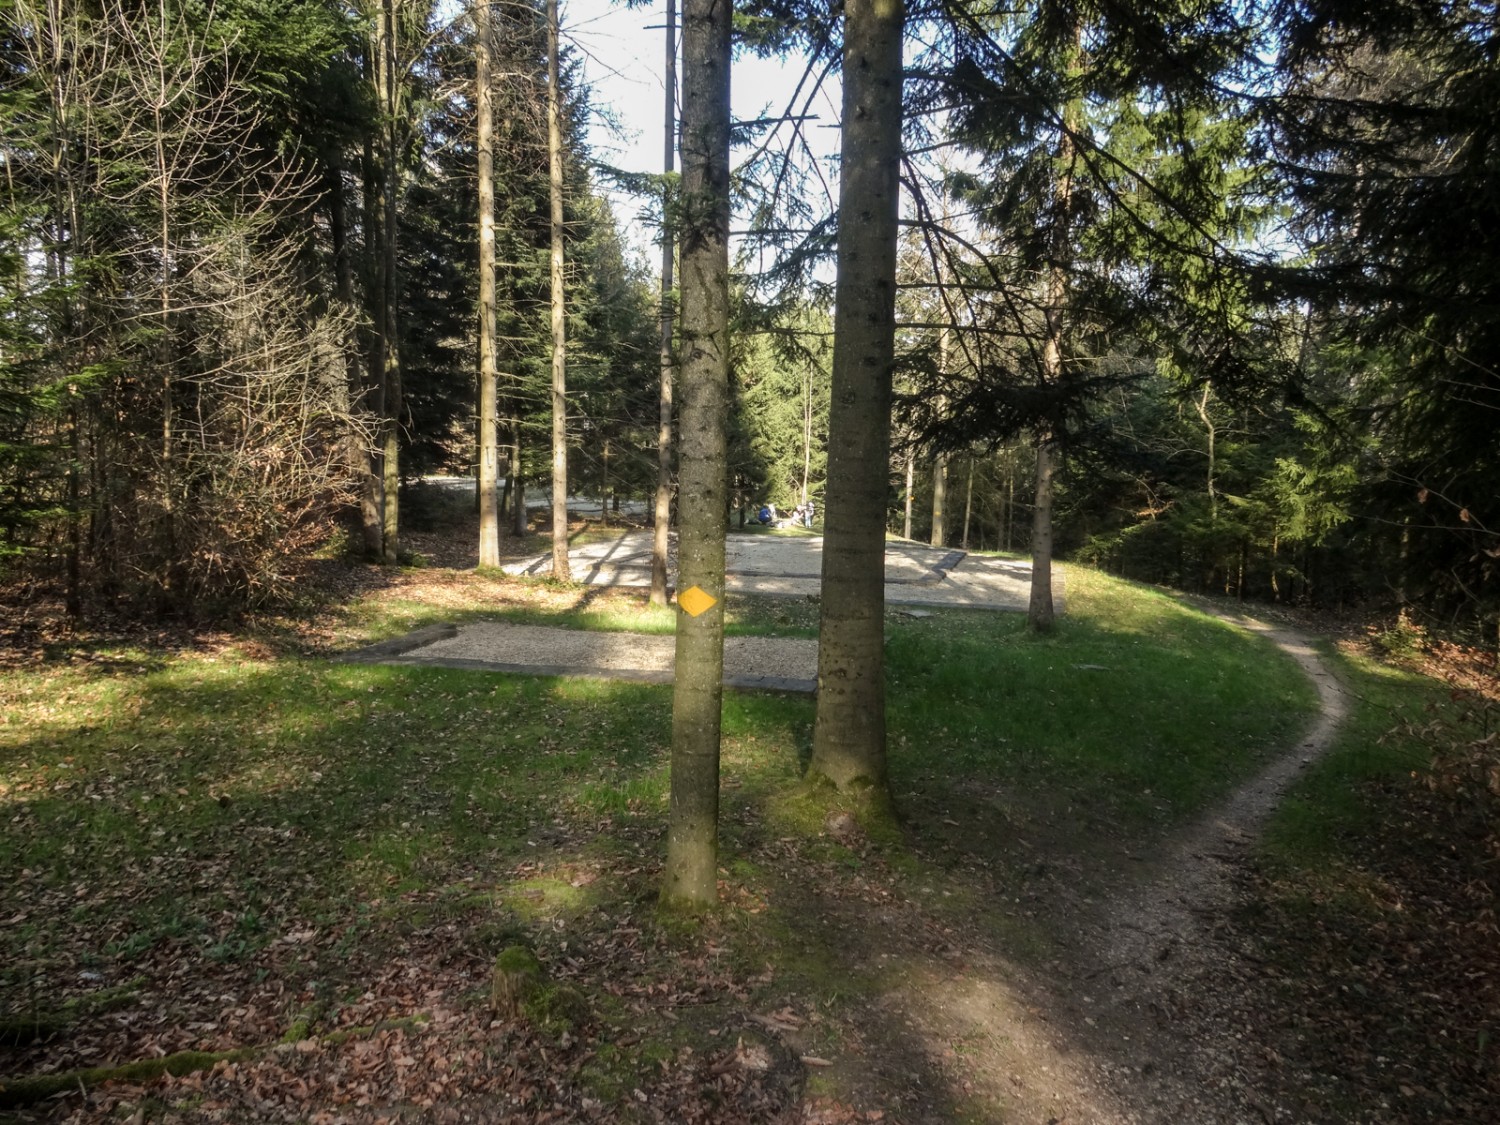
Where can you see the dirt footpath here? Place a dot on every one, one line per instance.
(1144, 1014)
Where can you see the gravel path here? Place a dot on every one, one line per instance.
(792, 566)
(750, 663)
(762, 565)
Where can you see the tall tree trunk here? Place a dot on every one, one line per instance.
(663, 515)
(489, 422)
(939, 535)
(939, 498)
(354, 362)
(849, 732)
(1039, 613)
(164, 351)
(1211, 472)
(391, 290)
(807, 420)
(604, 487)
(1010, 496)
(372, 479)
(968, 504)
(691, 876)
(66, 213)
(911, 472)
(560, 568)
(518, 487)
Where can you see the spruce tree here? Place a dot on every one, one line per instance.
(690, 879)
(849, 732)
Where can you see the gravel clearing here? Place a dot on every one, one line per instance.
(761, 565)
(792, 566)
(750, 663)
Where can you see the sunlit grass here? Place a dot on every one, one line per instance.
(1137, 703)
(208, 805)
(1331, 805)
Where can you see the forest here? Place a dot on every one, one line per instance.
(1226, 265)
(1181, 308)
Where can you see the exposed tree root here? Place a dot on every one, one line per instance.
(18, 1092)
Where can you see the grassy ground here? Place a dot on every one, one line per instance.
(240, 840)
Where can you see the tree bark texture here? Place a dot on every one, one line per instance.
(849, 733)
(940, 462)
(489, 436)
(968, 506)
(1039, 613)
(391, 291)
(939, 498)
(560, 568)
(663, 515)
(518, 482)
(691, 876)
(372, 482)
(911, 473)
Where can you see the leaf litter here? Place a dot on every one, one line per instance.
(385, 986)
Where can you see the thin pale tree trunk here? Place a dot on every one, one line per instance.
(939, 498)
(489, 436)
(663, 515)
(164, 348)
(690, 880)
(939, 536)
(807, 419)
(1210, 482)
(518, 482)
(560, 568)
(66, 210)
(849, 731)
(390, 285)
(911, 473)
(968, 504)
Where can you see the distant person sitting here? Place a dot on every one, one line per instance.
(767, 514)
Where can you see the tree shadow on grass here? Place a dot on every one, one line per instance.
(274, 835)
(281, 832)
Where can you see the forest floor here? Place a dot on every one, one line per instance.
(227, 844)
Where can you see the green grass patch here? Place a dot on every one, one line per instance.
(243, 795)
(1331, 805)
(1138, 707)
(216, 810)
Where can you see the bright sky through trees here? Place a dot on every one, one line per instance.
(623, 62)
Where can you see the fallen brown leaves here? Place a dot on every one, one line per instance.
(448, 1059)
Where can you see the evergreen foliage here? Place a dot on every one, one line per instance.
(1269, 286)
(1385, 116)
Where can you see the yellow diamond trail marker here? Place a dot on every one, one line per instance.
(696, 600)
